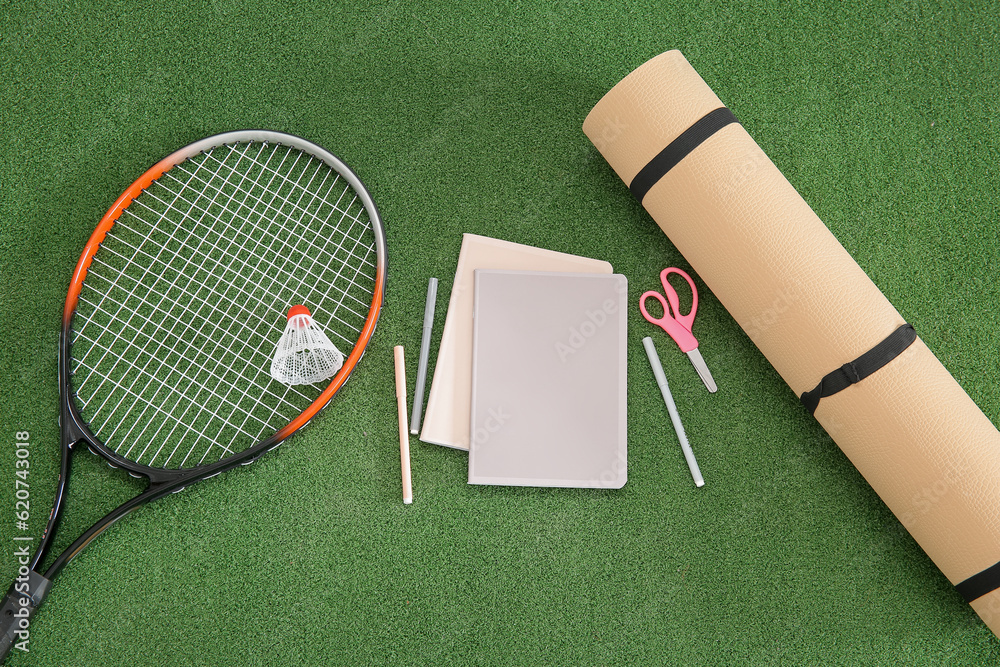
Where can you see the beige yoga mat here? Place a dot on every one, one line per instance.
(909, 428)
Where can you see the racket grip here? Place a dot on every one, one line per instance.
(18, 608)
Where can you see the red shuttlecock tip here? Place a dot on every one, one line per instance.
(297, 310)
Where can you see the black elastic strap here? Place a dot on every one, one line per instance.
(860, 368)
(689, 139)
(980, 584)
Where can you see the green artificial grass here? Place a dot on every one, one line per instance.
(469, 120)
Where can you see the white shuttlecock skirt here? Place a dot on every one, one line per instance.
(304, 354)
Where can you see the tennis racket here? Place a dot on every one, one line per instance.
(175, 307)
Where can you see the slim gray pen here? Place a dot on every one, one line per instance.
(425, 348)
(661, 380)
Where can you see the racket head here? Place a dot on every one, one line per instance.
(181, 292)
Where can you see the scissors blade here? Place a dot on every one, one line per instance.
(699, 365)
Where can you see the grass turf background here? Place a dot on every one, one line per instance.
(468, 120)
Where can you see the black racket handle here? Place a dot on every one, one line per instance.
(18, 608)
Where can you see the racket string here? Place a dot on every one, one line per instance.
(122, 303)
(315, 216)
(346, 211)
(149, 404)
(358, 318)
(169, 314)
(116, 333)
(312, 246)
(249, 295)
(232, 222)
(257, 352)
(340, 271)
(294, 250)
(213, 373)
(318, 277)
(246, 342)
(258, 367)
(152, 377)
(172, 332)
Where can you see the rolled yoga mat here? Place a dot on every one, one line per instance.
(836, 340)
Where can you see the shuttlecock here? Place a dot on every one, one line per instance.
(304, 354)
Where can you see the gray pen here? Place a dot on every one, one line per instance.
(425, 347)
(661, 380)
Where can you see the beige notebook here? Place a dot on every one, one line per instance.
(446, 421)
(548, 380)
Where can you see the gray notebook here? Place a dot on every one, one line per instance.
(548, 380)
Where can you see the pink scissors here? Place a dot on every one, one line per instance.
(677, 325)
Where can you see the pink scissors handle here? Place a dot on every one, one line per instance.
(677, 325)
